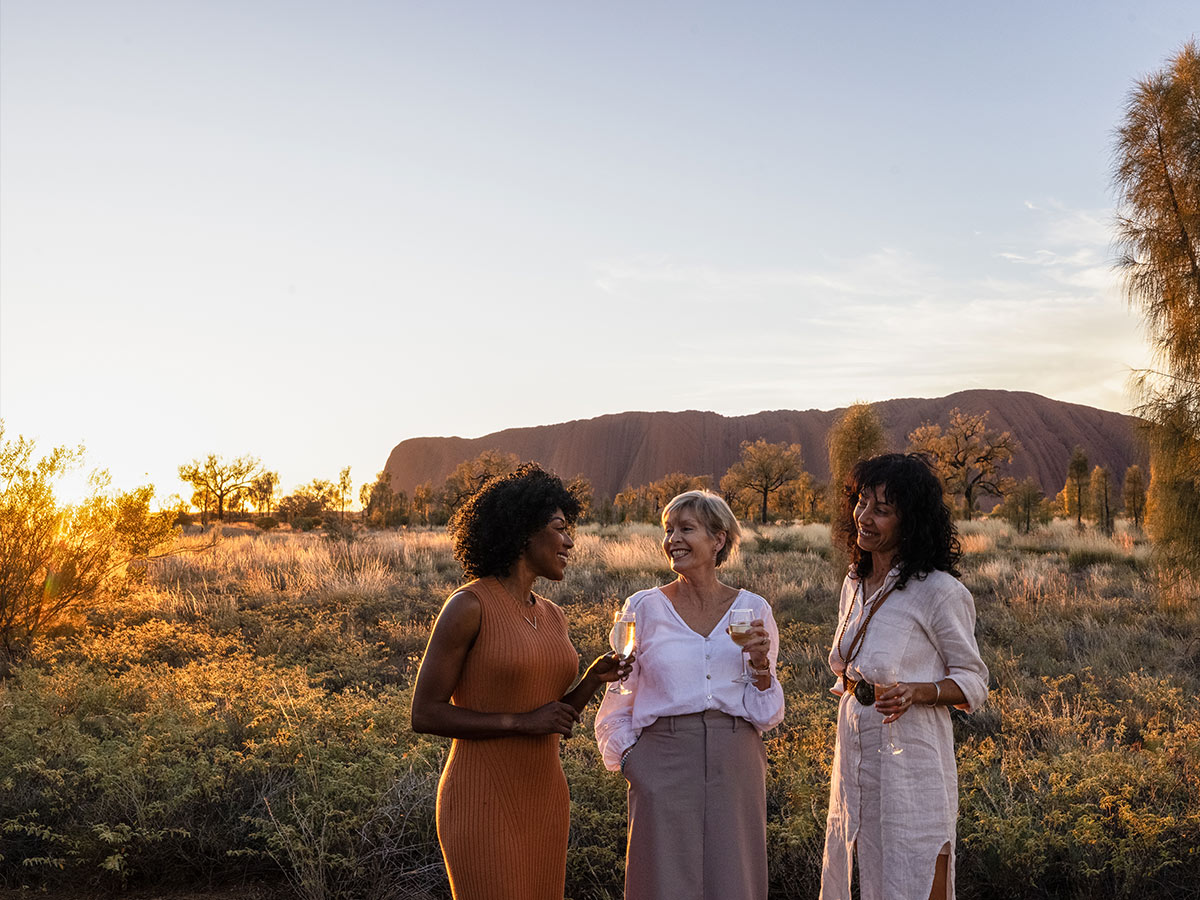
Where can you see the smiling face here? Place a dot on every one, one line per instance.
(548, 549)
(878, 524)
(688, 543)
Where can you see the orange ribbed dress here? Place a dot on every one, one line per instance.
(503, 809)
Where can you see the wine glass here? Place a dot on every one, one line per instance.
(885, 676)
(739, 630)
(624, 637)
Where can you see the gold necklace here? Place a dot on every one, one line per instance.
(532, 622)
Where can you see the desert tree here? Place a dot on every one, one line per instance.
(856, 434)
(262, 491)
(672, 485)
(968, 456)
(1156, 174)
(55, 558)
(382, 505)
(1075, 493)
(581, 487)
(308, 502)
(1024, 506)
(344, 488)
(1133, 495)
(762, 470)
(1100, 492)
(636, 504)
(422, 503)
(469, 475)
(220, 480)
(801, 498)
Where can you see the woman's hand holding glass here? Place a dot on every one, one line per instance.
(751, 635)
(623, 640)
(609, 667)
(892, 699)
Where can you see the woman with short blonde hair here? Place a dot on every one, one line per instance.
(688, 735)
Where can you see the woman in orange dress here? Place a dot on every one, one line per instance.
(496, 677)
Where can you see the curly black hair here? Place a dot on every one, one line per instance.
(491, 529)
(928, 538)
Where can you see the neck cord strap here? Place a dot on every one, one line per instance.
(856, 642)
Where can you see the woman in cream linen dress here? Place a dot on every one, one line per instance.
(900, 607)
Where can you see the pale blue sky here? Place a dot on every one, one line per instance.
(307, 231)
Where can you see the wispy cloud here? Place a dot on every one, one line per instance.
(890, 323)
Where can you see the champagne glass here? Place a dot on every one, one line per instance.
(886, 676)
(624, 637)
(739, 630)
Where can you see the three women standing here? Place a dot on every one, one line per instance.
(904, 652)
(495, 677)
(688, 735)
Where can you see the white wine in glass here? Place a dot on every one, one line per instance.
(624, 638)
(739, 630)
(885, 677)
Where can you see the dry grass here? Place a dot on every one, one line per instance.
(1080, 778)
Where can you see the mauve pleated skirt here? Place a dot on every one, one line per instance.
(697, 810)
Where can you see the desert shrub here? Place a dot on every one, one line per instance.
(243, 713)
(266, 523)
(59, 558)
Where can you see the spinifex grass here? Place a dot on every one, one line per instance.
(242, 712)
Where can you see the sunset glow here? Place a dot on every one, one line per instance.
(308, 233)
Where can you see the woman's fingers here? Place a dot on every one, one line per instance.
(554, 717)
(893, 702)
(759, 644)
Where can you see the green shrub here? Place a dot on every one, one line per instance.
(243, 714)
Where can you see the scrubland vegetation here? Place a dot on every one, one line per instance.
(240, 716)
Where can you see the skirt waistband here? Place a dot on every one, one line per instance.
(710, 718)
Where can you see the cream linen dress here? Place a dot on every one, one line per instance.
(899, 809)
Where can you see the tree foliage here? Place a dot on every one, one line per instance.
(1133, 495)
(582, 489)
(1075, 495)
(968, 456)
(383, 506)
(262, 491)
(762, 470)
(857, 434)
(218, 481)
(469, 475)
(1024, 506)
(308, 503)
(54, 558)
(1157, 179)
(1100, 490)
(344, 487)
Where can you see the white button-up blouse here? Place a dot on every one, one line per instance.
(678, 671)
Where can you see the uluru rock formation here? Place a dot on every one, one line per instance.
(634, 448)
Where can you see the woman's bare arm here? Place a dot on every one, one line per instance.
(454, 632)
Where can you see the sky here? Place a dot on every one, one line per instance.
(307, 231)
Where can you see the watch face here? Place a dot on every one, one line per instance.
(864, 693)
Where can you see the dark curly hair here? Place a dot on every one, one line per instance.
(491, 529)
(928, 540)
